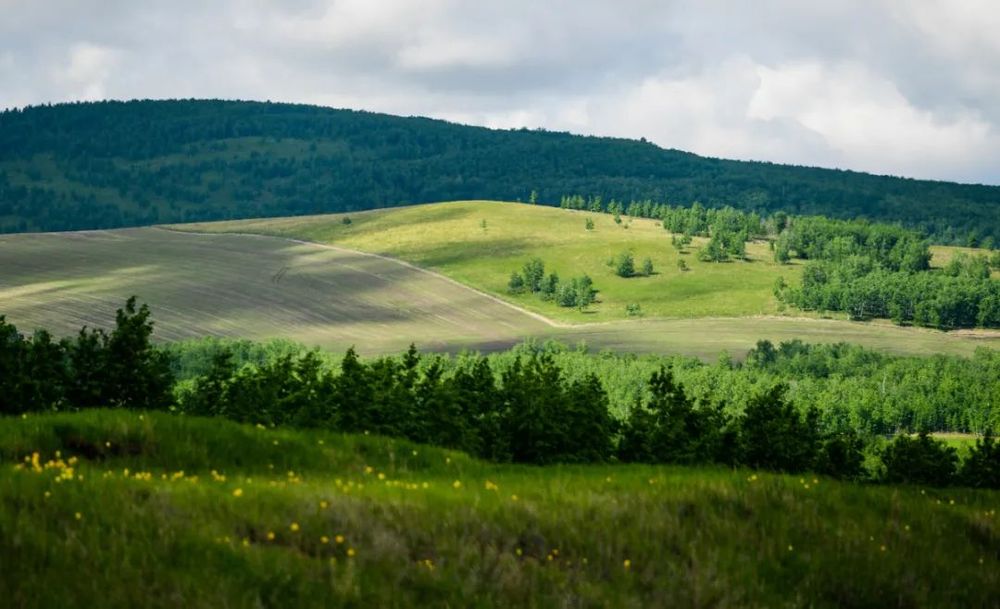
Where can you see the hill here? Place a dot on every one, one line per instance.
(247, 287)
(259, 287)
(118, 509)
(112, 164)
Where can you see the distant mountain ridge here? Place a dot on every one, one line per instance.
(111, 164)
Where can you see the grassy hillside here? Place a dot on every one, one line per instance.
(257, 287)
(248, 287)
(111, 164)
(450, 238)
(120, 509)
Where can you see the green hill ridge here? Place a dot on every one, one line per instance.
(113, 164)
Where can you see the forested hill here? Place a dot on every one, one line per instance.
(109, 164)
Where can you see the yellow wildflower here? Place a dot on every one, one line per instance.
(339, 539)
(457, 484)
(270, 535)
(350, 551)
(324, 539)
(627, 563)
(294, 527)
(237, 492)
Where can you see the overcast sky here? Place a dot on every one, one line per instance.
(906, 87)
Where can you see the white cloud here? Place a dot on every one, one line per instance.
(87, 70)
(898, 86)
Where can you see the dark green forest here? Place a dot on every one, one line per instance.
(113, 164)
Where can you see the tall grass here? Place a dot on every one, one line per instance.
(163, 510)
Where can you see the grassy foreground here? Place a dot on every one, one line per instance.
(122, 509)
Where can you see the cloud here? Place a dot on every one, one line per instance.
(891, 86)
(86, 71)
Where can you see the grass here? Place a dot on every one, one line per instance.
(737, 296)
(248, 287)
(257, 287)
(162, 510)
(449, 238)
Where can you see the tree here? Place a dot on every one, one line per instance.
(840, 456)
(920, 460)
(625, 265)
(589, 224)
(138, 375)
(533, 198)
(566, 296)
(583, 286)
(346, 221)
(516, 283)
(647, 267)
(549, 287)
(773, 435)
(533, 273)
(981, 468)
(670, 429)
(714, 250)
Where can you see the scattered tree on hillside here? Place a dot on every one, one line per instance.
(647, 267)
(625, 265)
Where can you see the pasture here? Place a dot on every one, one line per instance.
(120, 509)
(245, 287)
(254, 287)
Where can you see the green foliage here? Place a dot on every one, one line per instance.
(671, 430)
(714, 250)
(774, 435)
(589, 224)
(633, 310)
(624, 265)
(108, 164)
(879, 271)
(120, 369)
(647, 267)
(346, 221)
(919, 460)
(981, 467)
(533, 273)
(516, 283)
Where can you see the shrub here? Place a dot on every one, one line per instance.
(981, 468)
(920, 460)
(773, 435)
(625, 265)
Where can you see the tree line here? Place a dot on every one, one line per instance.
(880, 271)
(866, 269)
(530, 411)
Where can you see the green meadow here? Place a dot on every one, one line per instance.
(122, 509)
(450, 238)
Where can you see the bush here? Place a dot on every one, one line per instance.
(981, 468)
(625, 265)
(920, 460)
(774, 436)
(647, 267)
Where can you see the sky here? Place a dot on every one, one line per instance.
(901, 87)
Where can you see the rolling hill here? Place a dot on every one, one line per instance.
(261, 287)
(114, 164)
(249, 287)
